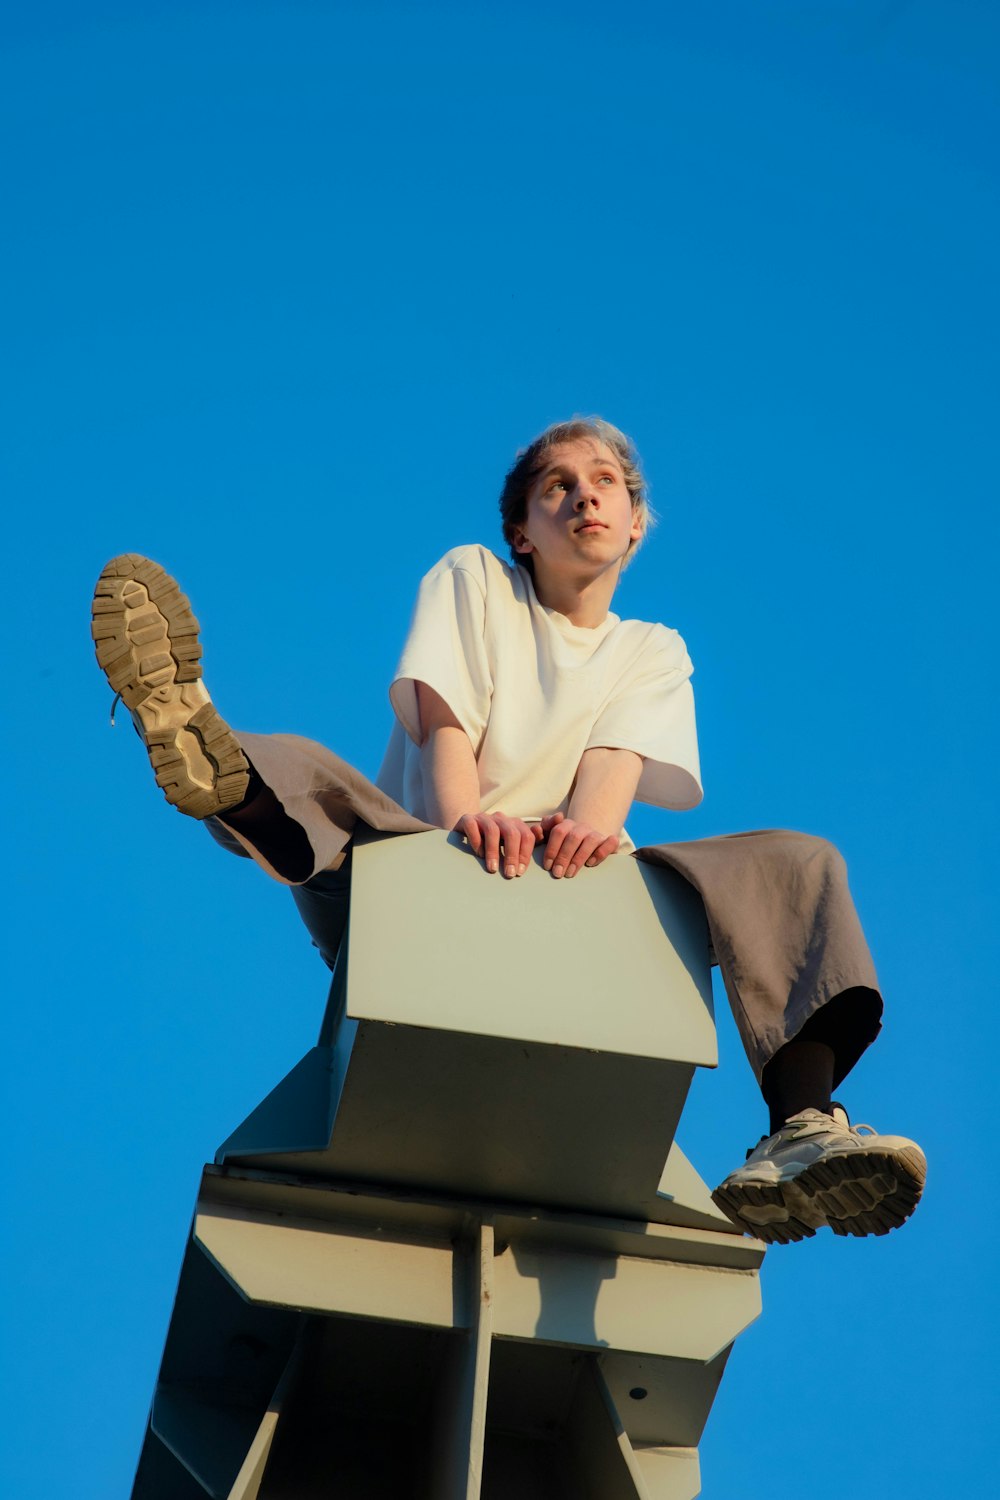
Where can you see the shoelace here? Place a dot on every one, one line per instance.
(853, 1129)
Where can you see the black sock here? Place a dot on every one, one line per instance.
(799, 1076)
(262, 820)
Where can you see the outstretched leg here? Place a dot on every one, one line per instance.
(146, 638)
(286, 802)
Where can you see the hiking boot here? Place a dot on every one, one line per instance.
(818, 1170)
(146, 638)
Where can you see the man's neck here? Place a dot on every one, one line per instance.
(584, 600)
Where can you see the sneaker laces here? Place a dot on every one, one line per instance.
(835, 1104)
(854, 1129)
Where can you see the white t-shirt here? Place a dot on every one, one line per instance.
(534, 691)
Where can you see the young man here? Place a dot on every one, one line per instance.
(527, 713)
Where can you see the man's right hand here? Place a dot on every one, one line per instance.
(490, 834)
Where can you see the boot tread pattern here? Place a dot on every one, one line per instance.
(146, 638)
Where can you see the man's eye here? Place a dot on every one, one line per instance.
(606, 479)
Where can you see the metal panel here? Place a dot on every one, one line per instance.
(553, 1432)
(161, 1476)
(459, 1426)
(444, 1217)
(388, 1210)
(559, 1287)
(356, 1422)
(246, 1485)
(208, 1436)
(319, 1268)
(563, 1088)
(663, 1402)
(491, 1116)
(222, 1362)
(616, 961)
(598, 1452)
(297, 1115)
(686, 1199)
(483, 1274)
(619, 1302)
(670, 1473)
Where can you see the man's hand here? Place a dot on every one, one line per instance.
(571, 844)
(488, 833)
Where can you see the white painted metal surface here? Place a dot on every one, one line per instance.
(442, 1073)
(444, 1260)
(615, 961)
(320, 1268)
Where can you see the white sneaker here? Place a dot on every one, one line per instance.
(146, 638)
(820, 1170)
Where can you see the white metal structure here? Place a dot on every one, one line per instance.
(455, 1253)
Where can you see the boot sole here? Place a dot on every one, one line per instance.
(854, 1193)
(146, 638)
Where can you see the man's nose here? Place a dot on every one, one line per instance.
(586, 495)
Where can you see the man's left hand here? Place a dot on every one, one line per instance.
(570, 845)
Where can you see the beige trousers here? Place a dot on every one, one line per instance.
(783, 926)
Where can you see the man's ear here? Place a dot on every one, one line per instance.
(521, 543)
(638, 525)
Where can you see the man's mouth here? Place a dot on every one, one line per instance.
(592, 526)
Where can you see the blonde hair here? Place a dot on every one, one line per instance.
(530, 462)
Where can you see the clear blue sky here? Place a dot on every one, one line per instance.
(285, 285)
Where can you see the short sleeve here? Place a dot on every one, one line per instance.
(445, 647)
(651, 713)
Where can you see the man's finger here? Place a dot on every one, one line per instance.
(554, 843)
(601, 853)
(583, 853)
(491, 852)
(527, 845)
(518, 842)
(510, 839)
(567, 851)
(468, 827)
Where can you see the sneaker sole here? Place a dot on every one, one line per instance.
(865, 1192)
(772, 1212)
(857, 1193)
(146, 638)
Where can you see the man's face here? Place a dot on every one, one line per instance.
(579, 517)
